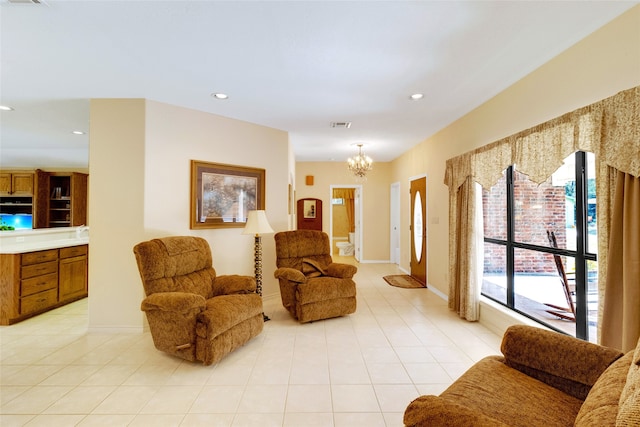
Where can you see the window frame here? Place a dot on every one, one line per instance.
(580, 254)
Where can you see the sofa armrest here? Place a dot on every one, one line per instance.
(176, 302)
(290, 274)
(567, 363)
(342, 271)
(235, 284)
(434, 411)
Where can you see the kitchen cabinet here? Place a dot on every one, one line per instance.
(38, 281)
(72, 272)
(16, 198)
(16, 184)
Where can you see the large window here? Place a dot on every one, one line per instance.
(540, 250)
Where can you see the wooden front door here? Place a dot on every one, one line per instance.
(418, 228)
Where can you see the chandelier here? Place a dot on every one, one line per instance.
(361, 164)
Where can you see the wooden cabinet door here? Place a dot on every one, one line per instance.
(22, 184)
(5, 183)
(72, 277)
(16, 184)
(79, 187)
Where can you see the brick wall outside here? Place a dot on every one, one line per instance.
(537, 209)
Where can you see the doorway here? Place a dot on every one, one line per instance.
(345, 219)
(418, 229)
(394, 226)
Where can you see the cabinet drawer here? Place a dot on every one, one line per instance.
(39, 269)
(73, 251)
(40, 256)
(38, 301)
(38, 284)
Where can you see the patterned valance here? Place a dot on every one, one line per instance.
(609, 128)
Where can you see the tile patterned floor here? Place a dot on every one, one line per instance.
(358, 370)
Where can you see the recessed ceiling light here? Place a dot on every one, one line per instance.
(77, 132)
(416, 96)
(5, 108)
(220, 95)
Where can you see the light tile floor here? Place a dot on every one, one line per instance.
(358, 370)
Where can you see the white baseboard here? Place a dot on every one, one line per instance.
(498, 318)
(116, 329)
(437, 292)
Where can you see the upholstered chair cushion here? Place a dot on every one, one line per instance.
(292, 247)
(523, 401)
(559, 360)
(176, 264)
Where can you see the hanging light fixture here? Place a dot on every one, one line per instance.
(361, 164)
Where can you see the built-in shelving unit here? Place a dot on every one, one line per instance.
(60, 201)
(16, 205)
(67, 199)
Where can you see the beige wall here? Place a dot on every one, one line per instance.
(116, 211)
(599, 66)
(375, 201)
(140, 184)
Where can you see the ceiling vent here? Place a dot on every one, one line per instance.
(344, 125)
(27, 1)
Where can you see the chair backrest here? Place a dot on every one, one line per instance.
(176, 264)
(294, 246)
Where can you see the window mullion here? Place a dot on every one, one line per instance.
(510, 238)
(582, 330)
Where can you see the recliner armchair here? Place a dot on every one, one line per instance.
(312, 286)
(193, 313)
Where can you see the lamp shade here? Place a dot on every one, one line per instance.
(257, 223)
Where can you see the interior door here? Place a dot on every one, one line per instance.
(394, 254)
(358, 226)
(418, 228)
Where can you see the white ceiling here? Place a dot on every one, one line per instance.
(290, 65)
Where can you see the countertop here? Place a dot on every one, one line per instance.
(21, 241)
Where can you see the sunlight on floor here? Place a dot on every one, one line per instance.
(358, 370)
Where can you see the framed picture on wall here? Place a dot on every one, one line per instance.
(309, 209)
(222, 195)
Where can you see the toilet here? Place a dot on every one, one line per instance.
(346, 248)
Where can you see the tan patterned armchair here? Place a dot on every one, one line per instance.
(312, 286)
(193, 313)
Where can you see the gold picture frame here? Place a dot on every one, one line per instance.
(222, 195)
